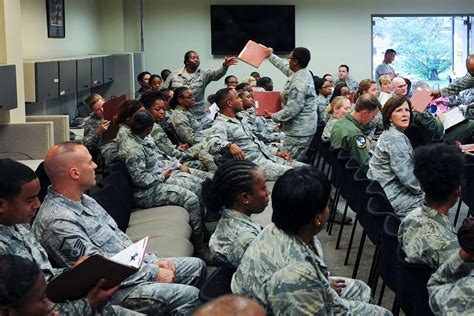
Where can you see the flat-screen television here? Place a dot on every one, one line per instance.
(233, 25)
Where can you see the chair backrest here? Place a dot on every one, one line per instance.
(413, 294)
(315, 145)
(468, 187)
(110, 199)
(44, 181)
(217, 284)
(388, 268)
(377, 211)
(415, 135)
(348, 189)
(343, 156)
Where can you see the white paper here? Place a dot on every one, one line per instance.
(453, 117)
(132, 255)
(213, 109)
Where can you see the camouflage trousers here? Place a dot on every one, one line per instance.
(357, 296)
(178, 298)
(181, 189)
(273, 170)
(204, 157)
(297, 146)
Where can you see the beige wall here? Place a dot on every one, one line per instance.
(82, 29)
(335, 31)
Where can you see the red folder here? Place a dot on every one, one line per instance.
(253, 54)
(110, 111)
(268, 100)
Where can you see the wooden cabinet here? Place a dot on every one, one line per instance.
(8, 96)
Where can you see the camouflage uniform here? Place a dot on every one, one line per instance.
(299, 115)
(197, 82)
(322, 106)
(146, 165)
(227, 130)
(326, 135)
(351, 84)
(19, 241)
(70, 229)
(93, 142)
(288, 277)
(258, 127)
(459, 85)
(348, 134)
(427, 237)
(186, 125)
(431, 127)
(450, 287)
(234, 233)
(391, 165)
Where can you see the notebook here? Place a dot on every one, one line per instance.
(253, 54)
(453, 118)
(268, 100)
(110, 111)
(77, 282)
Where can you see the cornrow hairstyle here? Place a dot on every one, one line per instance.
(231, 179)
(337, 90)
(178, 92)
(17, 277)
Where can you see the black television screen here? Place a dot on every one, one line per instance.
(233, 25)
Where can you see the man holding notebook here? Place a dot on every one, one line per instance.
(71, 224)
(19, 188)
(298, 114)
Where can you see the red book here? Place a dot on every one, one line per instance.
(253, 54)
(268, 100)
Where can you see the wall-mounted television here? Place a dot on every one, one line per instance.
(233, 25)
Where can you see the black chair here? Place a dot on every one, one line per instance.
(389, 269)
(109, 198)
(348, 169)
(337, 163)
(378, 208)
(217, 284)
(467, 195)
(44, 181)
(358, 203)
(415, 135)
(324, 155)
(412, 293)
(315, 145)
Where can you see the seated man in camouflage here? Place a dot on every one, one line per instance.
(347, 132)
(19, 188)
(230, 134)
(450, 287)
(71, 224)
(426, 234)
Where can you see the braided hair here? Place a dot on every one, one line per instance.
(231, 178)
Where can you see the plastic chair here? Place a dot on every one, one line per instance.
(359, 205)
(412, 292)
(217, 284)
(315, 146)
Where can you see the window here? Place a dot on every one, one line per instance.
(432, 49)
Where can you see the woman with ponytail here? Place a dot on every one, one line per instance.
(238, 190)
